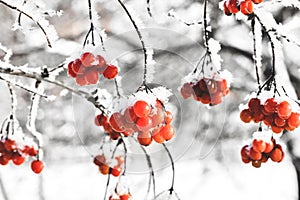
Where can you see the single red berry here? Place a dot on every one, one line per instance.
(245, 151)
(257, 1)
(254, 155)
(116, 122)
(100, 120)
(144, 138)
(168, 117)
(37, 166)
(294, 120)
(101, 63)
(125, 197)
(279, 121)
(216, 99)
(270, 105)
(276, 155)
(18, 159)
(70, 70)
(116, 171)
(91, 77)
(186, 90)
(130, 115)
(269, 147)
(256, 163)
(87, 59)
(258, 145)
(10, 145)
(141, 108)
(99, 160)
(246, 7)
(157, 137)
(110, 72)
(276, 129)
(258, 116)
(144, 123)
(246, 160)
(3, 160)
(226, 10)
(246, 116)
(205, 98)
(284, 110)
(77, 67)
(254, 105)
(167, 132)
(80, 80)
(104, 169)
(233, 6)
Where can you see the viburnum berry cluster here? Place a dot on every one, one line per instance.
(260, 151)
(12, 150)
(234, 6)
(151, 122)
(105, 164)
(274, 113)
(207, 90)
(88, 67)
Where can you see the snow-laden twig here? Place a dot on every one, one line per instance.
(173, 14)
(8, 53)
(47, 29)
(35, 100)
(149, 8)
(257, 48)
(136, 27)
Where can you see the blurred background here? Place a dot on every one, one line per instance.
(206, 148)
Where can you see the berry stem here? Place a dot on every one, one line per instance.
(107, 183)
(12, 106)
(30, 17)
(141, 40)
(117, 88)
(125, 156)
(20, 14)
(173, 167)
(92, 29)
(149, 8)
(186, 23)
(273, 80)
(255, 52)
(205, 26)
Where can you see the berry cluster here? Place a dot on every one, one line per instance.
(276, 114)
(150, 122)
(260, 151)
(102, 120)
(206, 91)
(10, 150)
(126, 196)
(88, 67)
(104, 165)
(234, 6)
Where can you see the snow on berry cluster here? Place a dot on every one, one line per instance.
(17, 150)
(234, 6)
(143, 113)
(105, 164)
(207, 90)
(121, 191)
(261, 150)
(278, 114)
(88, 67)
(120, 197)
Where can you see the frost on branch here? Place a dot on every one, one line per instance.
(8, 53)
(214, 48)
(34, 14)
(150, 66)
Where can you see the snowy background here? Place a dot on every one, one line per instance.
(207, 144)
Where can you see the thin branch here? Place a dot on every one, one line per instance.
(30, 17)
(255, 52)
(141, 40)
(20, 14)
(149, 8)
(173, 167)
(13, 103)
(186, 23)
(205, 25)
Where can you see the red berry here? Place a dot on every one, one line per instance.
(3, 160)
(270, 105)
(157, 137)
(279, 121)
(269, 147)
(254, 105)
(104, 169)
(9, 145)
(18, 159)
(246, 160)
(254, 155)
(101, 62)
(91, 77)
(87, 59)
(110, 72)
(233, 6)
(99, 160)
(141, 109)
(100, 120)
(125, 197)
(205, 98)
(294, 120)
(70, 70)
(129, 115)
(144, 138)
(167, 132)
(37, 166)
(226, 10)
(259, 145)
(77, 67)
(245, 151)
(246, 116)
(284, 110)
(276, 129)
(116, 122)
(246, 7)
(186, 90)
(168, 117)
(144, 123)
(276, 155)
(258, 116)
(256, 163)
(116, 171)
(80, 80)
